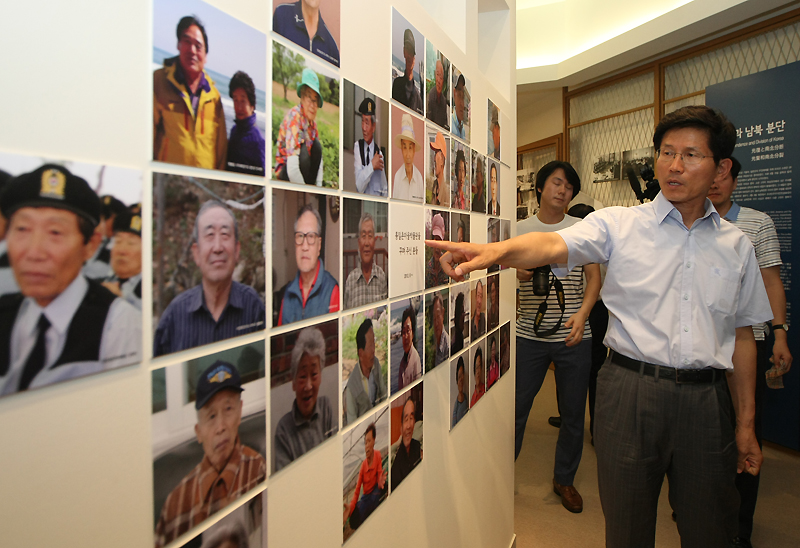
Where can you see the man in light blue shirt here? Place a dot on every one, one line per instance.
(683, 289)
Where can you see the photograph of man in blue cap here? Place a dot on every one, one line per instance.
(228, 468)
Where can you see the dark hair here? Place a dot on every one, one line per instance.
(370, 428)
(409, 313)
(241, 80)
(478, 354)
(492, 167)
(361, 334)
(493, 341)
(720, 131)
(85, 227)
(461, 158)
(436, 296)
(580, 210)
(735, 168)
(459, 311)
(548, 169)
(460, 364)
(187, 22)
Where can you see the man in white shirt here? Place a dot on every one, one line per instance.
(683, 289)
(60, 325)
(368, 158)
(408, 182)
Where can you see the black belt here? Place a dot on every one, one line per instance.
(680, 376)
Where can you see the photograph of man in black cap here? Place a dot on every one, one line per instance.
(7, 282)
(369, 159)
(406, 85)
(126, 258)
(99, 266)
(461, 98)
(59, 325)
(228, 468)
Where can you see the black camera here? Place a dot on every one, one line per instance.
(541, 281)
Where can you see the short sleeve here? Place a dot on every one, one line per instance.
(768, 248)
(589, 241)
(753, 301)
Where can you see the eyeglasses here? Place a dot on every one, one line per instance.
(688, 158)
(310, 237)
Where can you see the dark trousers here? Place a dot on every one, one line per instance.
(598, 320)
(309, 163)
(572, 379)
(365, 506)
(646, 429)
(746, 484)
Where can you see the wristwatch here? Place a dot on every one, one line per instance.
(780, 326)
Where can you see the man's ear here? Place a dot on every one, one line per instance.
(724, 167)
(195, 256)
(91, 246)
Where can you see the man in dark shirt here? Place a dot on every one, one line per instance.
(218, 308)
(409, 454)
(404, 89)
(301, 22)
(437, 104)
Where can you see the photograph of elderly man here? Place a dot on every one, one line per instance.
(364, 362)
(311, 24)
(407, 158)
(437, 177)
(196, 475)
(365, 163)
(407, 86)
(309, 110)
(305, 251)
(304, 395)
(406, 438)
(365, 226)
(365, 467)
(460, 122)
(405, 330)
(208, 279)
(437, 85)
(195, 101)
(437, 340)
(56, 323)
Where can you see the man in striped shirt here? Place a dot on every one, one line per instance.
(760, 229)
(567, 343)
(228, 469)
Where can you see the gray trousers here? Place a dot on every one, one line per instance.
(646, 429)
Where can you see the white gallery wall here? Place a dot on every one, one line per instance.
(76, 458)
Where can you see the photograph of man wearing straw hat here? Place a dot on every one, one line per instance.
(407, 183)
(436, 178)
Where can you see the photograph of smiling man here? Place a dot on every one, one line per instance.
(304, 396)
(208, 261)
(209, 436)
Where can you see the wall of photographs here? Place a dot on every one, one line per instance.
(249, 344)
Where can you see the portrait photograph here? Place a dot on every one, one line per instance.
(244, 527)
(365, 469)
(208, 424)
(505, 348)
(93, 255)
(477, 381)
(493, 177)
(437, 320)
(365, 142)
(460, 119)
(493, 134)
(365, 252)
(405, 434)
(304, 391)
(208, 261)
(460, 374)
(405, 346)
(437, 87)
(493, 236)
(305, 119)
(365, 362)
(460, 175)
(492, 358)
(408, 63)
(477, 322)
(437, 227)
(406, 249)
(408, 156)
(437, 176)
(305, 255)
(479, 182)
(461, 226)
(223, 125)
(313, 25)
(492, 301)
(460, 305)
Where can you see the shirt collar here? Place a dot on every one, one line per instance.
(60, 311)
(664, 208)
(300, 22)
(198, 300)
(733, 213)
(300, 420)
(209, 475)
(246, 123)
(179, 77)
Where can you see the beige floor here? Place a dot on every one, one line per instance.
(540, 521)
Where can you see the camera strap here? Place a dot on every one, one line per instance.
(562, 304)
